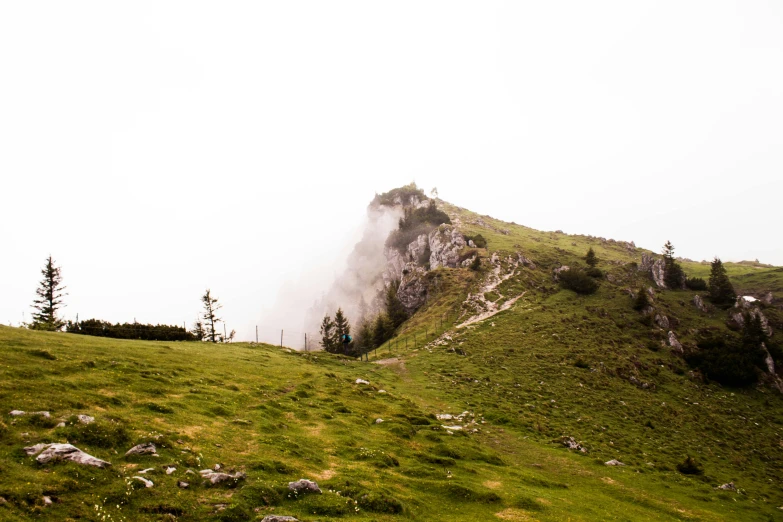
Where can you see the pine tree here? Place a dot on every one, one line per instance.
(394, 309)
(364, 337)
(341, 328)
(198, 330)
(590, 258)
(50, 294)
(210, 317)
(382, 330)
(721, 290)
(642, 301)
(673, 274)
(327, 334)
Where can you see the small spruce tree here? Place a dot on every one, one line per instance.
(210, 317)
(590, 258)
(673, 274)
(327, 334)
(721, 290)
(341, 328)
(642, 301)
(50, 294)
(394, 309)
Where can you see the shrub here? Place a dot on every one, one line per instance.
(690, 467)
(379, 503)
(478, 240)
(98, 434)
(576, 280)
(642, 300)
(696, 283)
(728, 360)
(476, 264)
(594, 272)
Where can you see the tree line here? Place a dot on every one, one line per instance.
(49, 302)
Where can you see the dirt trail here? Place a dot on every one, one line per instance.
(494, 279)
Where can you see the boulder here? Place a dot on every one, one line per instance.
(699, 303)
(215, 477)
(279, 518)
(85, 419)
(767, 299)
(170, 470)
(728, 487)
(142, 449)
(524, 261)
(304, 486)
(674, 343)
(147, 483)
(56, 452)
(655, 267)
(614, 462)
(362, 381)
(571, 443)
(183, 485)
(19, 413)
(662, 321)
(378, 421)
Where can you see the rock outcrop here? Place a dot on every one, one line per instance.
(699, 303)
(216, 477)
(742, 307)
(413, 289)
(655, 267)
(57, 452)
(142, 449)
(675, 344)
(445, 244)
(304, 486)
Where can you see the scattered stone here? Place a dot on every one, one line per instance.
(183, 485)
(674, 343)
(304, 486)
(215, 477)
(614, 462)
(3, 501)
(60, 425)
(142, 449)
(381, 391)
(556, 272)
(85, 419)
(216, 467)
(146, 470)
(571, 443)
(378, 421)
(170, 470)
(190, 472)
(47, 501)
(55, 452)
(147, 483)
(728, 487)
(279, 518)
(19, 413)
(362, 381)
(444, 416)
(767, 299)
(452, 428)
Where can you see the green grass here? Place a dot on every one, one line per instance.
(554, 365)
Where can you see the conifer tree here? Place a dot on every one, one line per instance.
(341, 328)
(394, 309)
(590, 258)
(50, 294)
(642, 301)
(673, 274)
(382, 330)
(327, 334)
(210, 317)
(721, 290)
(198, 330)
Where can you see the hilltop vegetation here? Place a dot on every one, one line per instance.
(501, 398)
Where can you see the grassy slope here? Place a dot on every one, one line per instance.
(279, 416)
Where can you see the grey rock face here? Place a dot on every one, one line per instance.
(655, 267)
(142, 449)
(412, 291)
(304, 486)
(55, 452)
(445, 242)
(662, 321)
(741, 307)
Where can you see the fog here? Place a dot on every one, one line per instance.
(157, 149)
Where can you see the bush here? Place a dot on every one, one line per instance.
(594, 272)
(696, 283)
(642, 300)
(478, 240)
(98, 434)
(727, 360)
(690, 467)
(576, 280)
(476, 264)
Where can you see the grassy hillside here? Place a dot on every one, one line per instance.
(554, 365)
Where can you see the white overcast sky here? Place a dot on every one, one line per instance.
(159, 148)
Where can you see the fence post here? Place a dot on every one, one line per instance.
(281, 338)
(256, 334)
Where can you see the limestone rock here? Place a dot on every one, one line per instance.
(767, 299)
(170, 470)
(524, 261)
(304, 486)
(56, 452)
(378, 421)
(19, 413)
(142, 449)
(556, 272)
(699, 303)
(741, 307)
(674, 343)
(614, 462)
(47, 501)
(655, 267)
(728, 487)
(571, 443)
(147, 483)
(445, 243)
(216, 477)
(471, 244)
(362, 381)
(662, 321)
(279, 518)
(85, 419)
(182, 484)
(413, 288)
